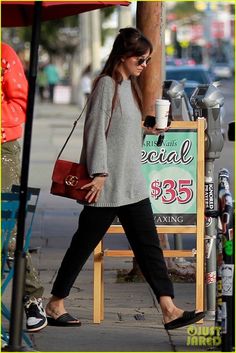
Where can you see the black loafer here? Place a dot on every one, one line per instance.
(188, 318)
(65, 320)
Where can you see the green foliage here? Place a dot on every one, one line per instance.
(184, 9)
(106, 12)
(51, 38)
(56, 41)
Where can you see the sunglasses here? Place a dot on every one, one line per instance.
(141, 61)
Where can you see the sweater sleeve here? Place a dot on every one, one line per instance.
(14, 89)
(96, 124)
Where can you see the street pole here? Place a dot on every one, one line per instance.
(226, 264)
(84, 45)
(75, 74)
(83, 51)
(124, 16)
(16, 320)
(207, 20)
(95, 40)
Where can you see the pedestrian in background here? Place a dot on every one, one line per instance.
(112, 147)
(14, 102)
(42, 83)
(53, 78)
(86, 82)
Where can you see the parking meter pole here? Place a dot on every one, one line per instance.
(214, 145)
(210, 238)
(206, 101)
(178, 245)
(225, 280)
(178, 242)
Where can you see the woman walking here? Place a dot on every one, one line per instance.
(112, 152)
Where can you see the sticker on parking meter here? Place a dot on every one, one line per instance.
(171, 173)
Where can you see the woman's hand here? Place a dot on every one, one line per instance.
(155, 131)
(94, 188)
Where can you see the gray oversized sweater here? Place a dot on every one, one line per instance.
(118, 153)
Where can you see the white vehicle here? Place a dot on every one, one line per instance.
(221, 70)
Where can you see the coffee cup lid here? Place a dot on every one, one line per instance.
(163, 101)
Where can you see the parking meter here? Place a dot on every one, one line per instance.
(180, 106)
(207, 101)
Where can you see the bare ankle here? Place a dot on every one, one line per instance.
(55, 305)
(167, 305)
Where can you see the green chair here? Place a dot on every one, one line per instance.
(9, 213)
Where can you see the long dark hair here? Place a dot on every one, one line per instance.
(129, 42)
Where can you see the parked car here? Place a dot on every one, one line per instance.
(193, 76)
(221, 70)
(178, 62)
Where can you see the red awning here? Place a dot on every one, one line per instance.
(20, 13)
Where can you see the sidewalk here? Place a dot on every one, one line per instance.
(133, 320)
(120, 331)
(55, 222)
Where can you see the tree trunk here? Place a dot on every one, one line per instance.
(150, 20)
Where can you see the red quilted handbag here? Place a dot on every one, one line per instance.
(67, 179)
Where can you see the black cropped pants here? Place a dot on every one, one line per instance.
(138, 223)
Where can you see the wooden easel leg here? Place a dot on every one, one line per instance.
(97, 284)
(200, 283)
(102, 289)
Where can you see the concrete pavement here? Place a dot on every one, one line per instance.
(120, 331)
(55, 223)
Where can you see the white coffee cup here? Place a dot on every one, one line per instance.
(162, 111)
